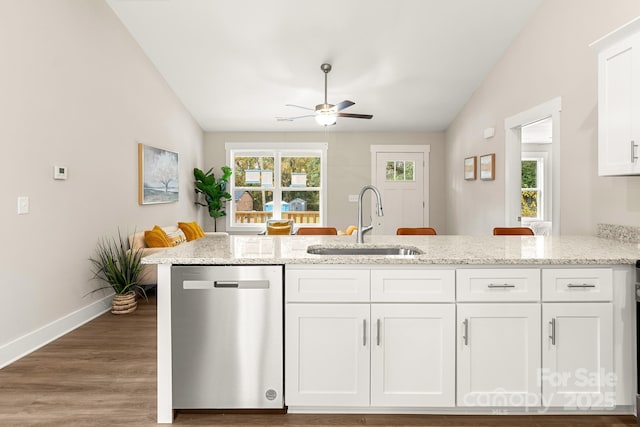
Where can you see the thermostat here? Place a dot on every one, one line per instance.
(59, 172)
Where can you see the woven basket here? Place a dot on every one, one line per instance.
(125, 303)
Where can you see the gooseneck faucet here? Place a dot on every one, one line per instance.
(361, 229)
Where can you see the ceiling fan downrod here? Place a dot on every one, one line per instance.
(326, 68)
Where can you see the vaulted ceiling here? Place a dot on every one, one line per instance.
(413, 64)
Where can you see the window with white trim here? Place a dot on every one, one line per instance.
(276, 181)
(532, 196)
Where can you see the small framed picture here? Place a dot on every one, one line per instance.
(470, 168)
(487, 167)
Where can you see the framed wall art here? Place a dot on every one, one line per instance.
(470, 168)
(487, 167)
(157, 175)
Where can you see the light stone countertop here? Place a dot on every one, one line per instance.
(441, 249)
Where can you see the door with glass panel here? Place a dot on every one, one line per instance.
(400, 179)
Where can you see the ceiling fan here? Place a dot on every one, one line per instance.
(326, 114)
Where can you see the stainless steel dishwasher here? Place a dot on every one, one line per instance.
(227, 337)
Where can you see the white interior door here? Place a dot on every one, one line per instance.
(401, 176)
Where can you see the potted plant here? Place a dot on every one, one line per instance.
(120, 268)
(214, 191)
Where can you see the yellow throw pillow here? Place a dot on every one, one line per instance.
(198, 229)
(156, 238)
(191, 230)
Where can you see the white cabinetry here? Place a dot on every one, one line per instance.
(498, 343)
(411, 348)
(388, 353)
(498, 354)
(327, 355)
(619, 102)
(414, 338)
(577, 350)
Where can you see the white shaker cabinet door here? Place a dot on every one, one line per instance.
(327, 355)
(498, 354)
(577, 355)
(412, 355)
(619, 108)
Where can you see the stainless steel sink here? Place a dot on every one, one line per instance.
(351, 250)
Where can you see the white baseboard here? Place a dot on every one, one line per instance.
(26, 344)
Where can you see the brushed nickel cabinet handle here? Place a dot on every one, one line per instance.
(465, 335)
(552, 334)
(506, 285)
(633, 151)
(378, 332)
(580, 285)
(364, 332)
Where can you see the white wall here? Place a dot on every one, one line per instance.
(76, 91)
(550, 58)
(349, 165)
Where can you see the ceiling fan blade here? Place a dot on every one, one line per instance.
(299, 106)
(355, 116)
(290, 119)
(344, 104)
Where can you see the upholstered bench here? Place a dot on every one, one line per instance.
(175, 233)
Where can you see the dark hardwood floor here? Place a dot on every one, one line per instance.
(104, 374)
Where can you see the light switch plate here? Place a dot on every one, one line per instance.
(23, 205)
(353, 198)
(59, 172)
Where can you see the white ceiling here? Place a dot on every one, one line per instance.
(413, 64)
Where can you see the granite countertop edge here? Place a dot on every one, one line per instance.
(438, 250)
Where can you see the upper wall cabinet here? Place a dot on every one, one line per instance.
(619, 101)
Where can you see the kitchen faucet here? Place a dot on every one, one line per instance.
(361, 229)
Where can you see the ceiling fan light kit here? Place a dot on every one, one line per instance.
(326, 114)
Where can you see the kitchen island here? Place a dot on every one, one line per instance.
(527, 290)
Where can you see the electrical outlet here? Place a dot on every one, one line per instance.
(353, 198)
(23, 205)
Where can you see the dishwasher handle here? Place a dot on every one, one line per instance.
(225, 284)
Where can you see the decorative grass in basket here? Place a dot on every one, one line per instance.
(120, 267)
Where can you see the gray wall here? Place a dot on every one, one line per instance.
(349, 165)
(550, 58)
(76, 91)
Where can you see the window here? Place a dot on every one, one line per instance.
(531, 194)
(399, 170)
(279, 181)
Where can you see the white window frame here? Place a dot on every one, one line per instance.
(277, 150)
(539, 158)
(541, 153)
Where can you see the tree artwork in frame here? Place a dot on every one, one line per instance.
(157, 175)
(487, 167)
(470, 168)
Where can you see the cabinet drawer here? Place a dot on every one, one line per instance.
(577, 284)
(509, 284)
(413, 285)
(327, 285)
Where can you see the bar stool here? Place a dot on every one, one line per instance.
(328, 231)
(418, 231)
(512, 231)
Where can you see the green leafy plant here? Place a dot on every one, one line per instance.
(118, 266)
(214, 190)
